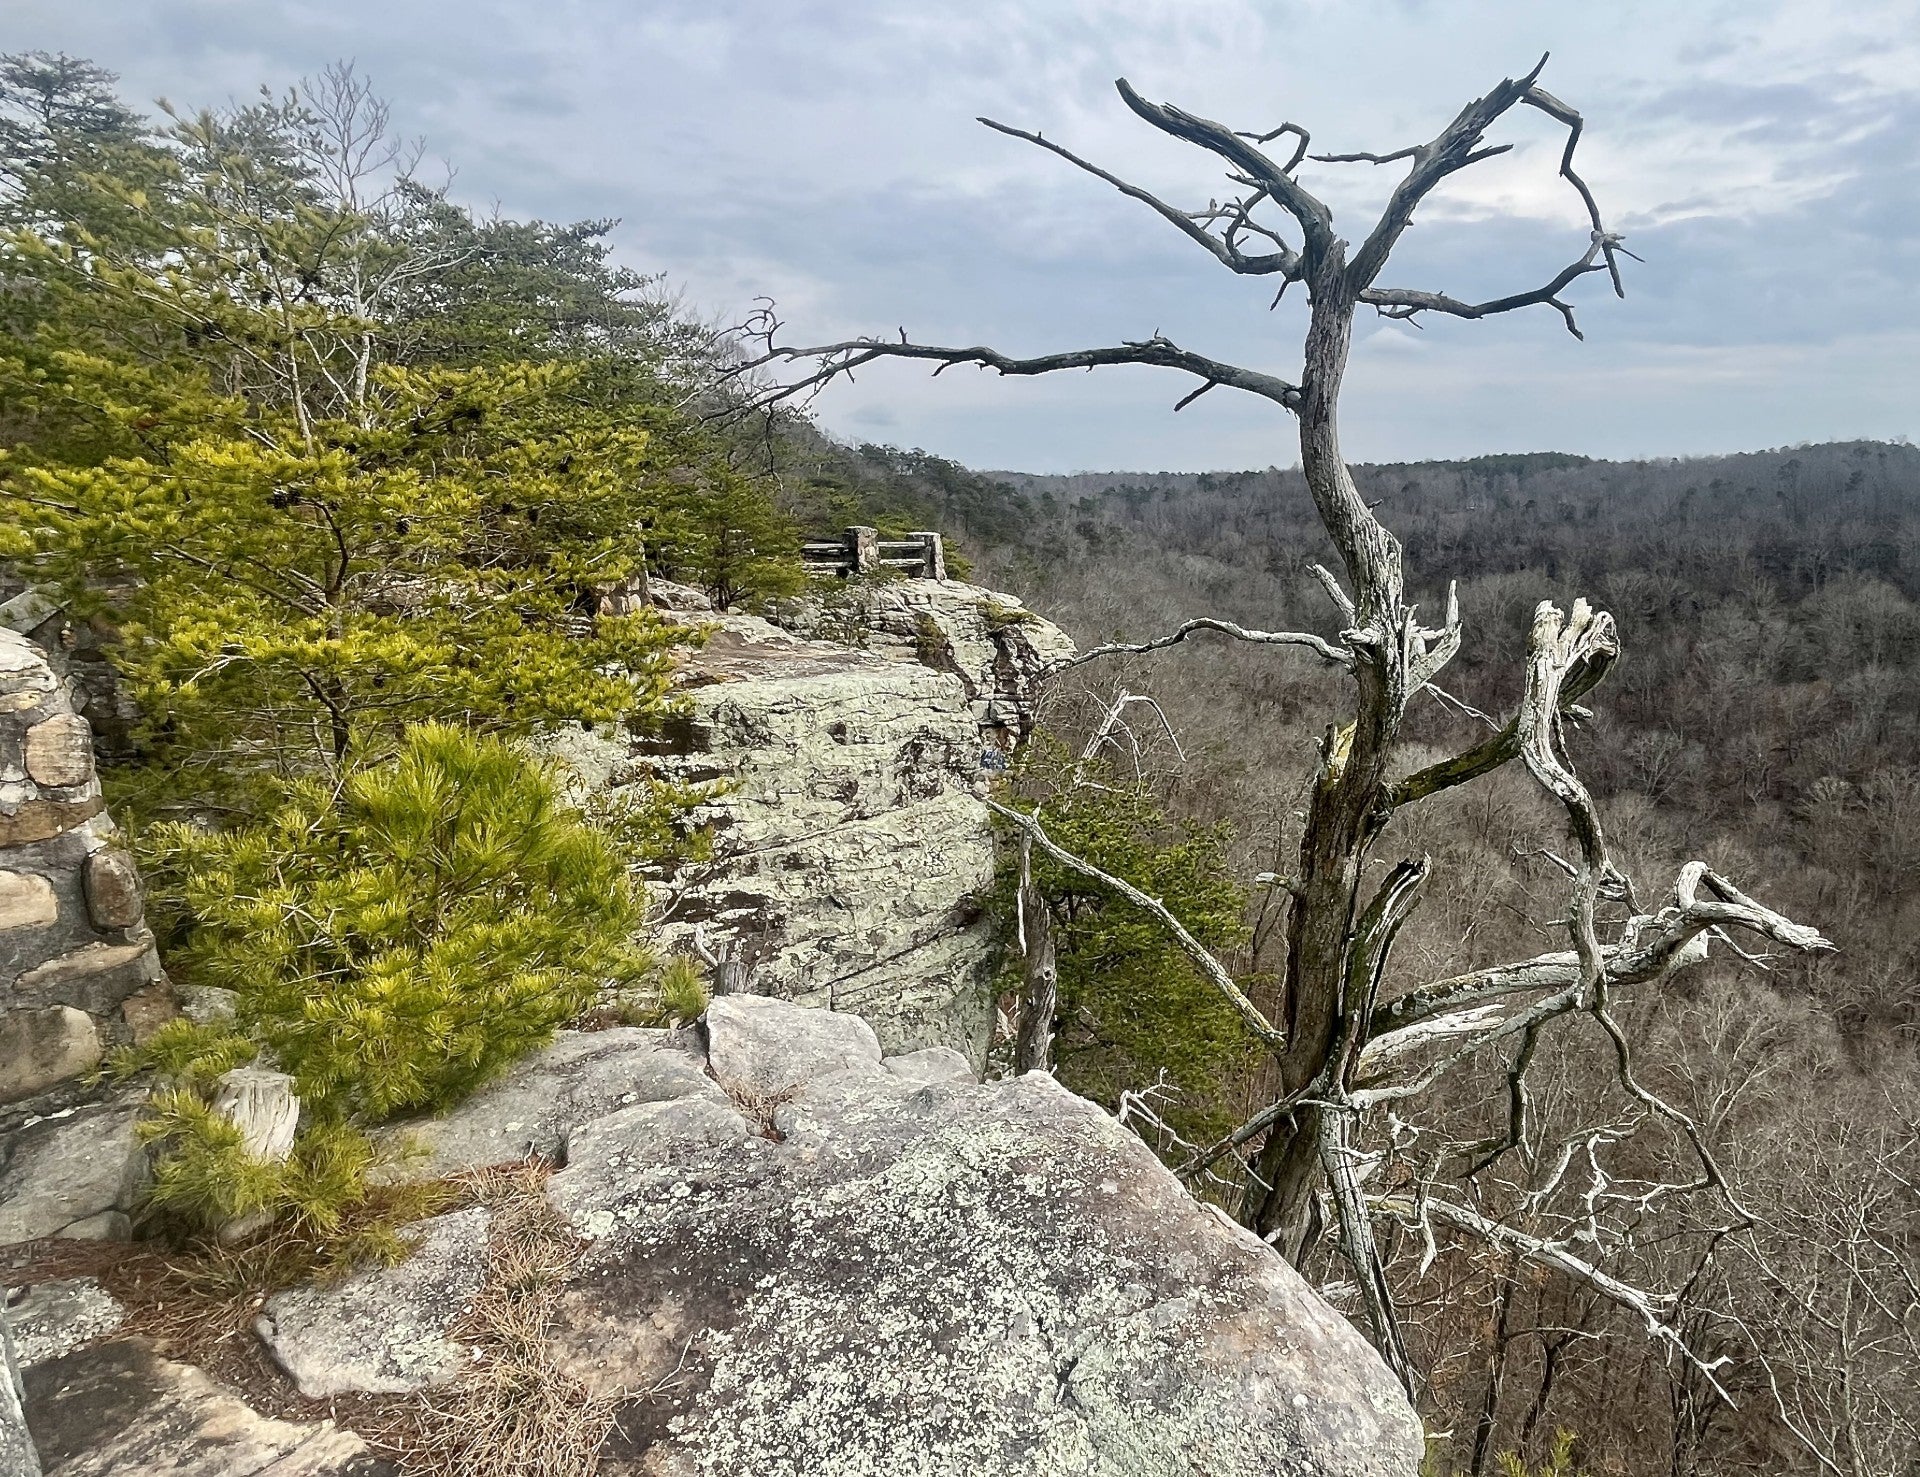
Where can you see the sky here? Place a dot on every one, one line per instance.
(1760, 155)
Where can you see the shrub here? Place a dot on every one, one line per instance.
(682, 987)
(397, 939)
(317, 1211)
(1133, 1010)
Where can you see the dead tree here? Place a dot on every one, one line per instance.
(1343, 1053)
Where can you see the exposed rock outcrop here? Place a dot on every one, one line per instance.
(849, 854)
(75, 955)
(840, 1267)
(74, 1173)
(998, 648)
(116, 1409)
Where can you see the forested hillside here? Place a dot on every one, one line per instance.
(1764, 716)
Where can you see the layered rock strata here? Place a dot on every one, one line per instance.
(851, 855)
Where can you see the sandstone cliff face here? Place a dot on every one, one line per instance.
(850, 853)
(75, 955)
(999, 650)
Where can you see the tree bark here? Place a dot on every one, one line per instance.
(1040, 994)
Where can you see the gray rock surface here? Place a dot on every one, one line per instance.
(72, 1173)
(884, 1275)
(18, 1458)
(849, 853)
(387, 1330)
(55, 1318)
(119, 1409)
(536, 1106)
(998, 648)
(762, 1046)
(932, 1064)
(39, 1048)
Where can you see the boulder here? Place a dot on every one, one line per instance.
(55, 1318)
(931, 1064)
(117, 1409)
(762, 1046)
(536, 1106)
(387, 1330)
(208, 1005)
(39, 1048)
(76, 1172)
(875, 1273)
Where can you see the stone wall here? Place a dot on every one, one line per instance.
(78, 971)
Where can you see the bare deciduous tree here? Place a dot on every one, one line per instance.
(1348, 1060)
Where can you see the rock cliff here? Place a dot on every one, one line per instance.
(793, 1255)
(850, 853)
(782, 1241)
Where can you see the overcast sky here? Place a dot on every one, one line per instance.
(1762, 155)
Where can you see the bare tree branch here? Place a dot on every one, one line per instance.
(1584, 666)
(1285, 260)
(1650, 947)
(1212, 968)
(1453, 149)
(1319, 646)
(831, 361)
(1315, 220)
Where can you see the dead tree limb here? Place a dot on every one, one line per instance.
(1318, 645)
(1214, 971)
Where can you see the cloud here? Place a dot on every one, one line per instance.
(1758, 152)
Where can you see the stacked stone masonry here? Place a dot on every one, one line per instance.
(78, 971)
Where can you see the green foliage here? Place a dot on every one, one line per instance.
(331, 455)
(682, 985)
(1559, 1462)
(1132, 1005)
(648, 823)
(400, 937)
(186, 1053)
(318, 1211)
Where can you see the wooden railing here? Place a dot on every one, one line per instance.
(861, 550)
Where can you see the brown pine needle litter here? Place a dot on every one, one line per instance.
(511, 1413)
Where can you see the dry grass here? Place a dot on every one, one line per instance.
(758, 1105)
(512, 1414)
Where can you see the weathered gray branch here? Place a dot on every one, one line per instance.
(1455, 148)
(834, 360)
(1585, 666)
(1315, 220)
(1651, 946)
(1212, 968)
(1222, 248)
(1319, 646)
